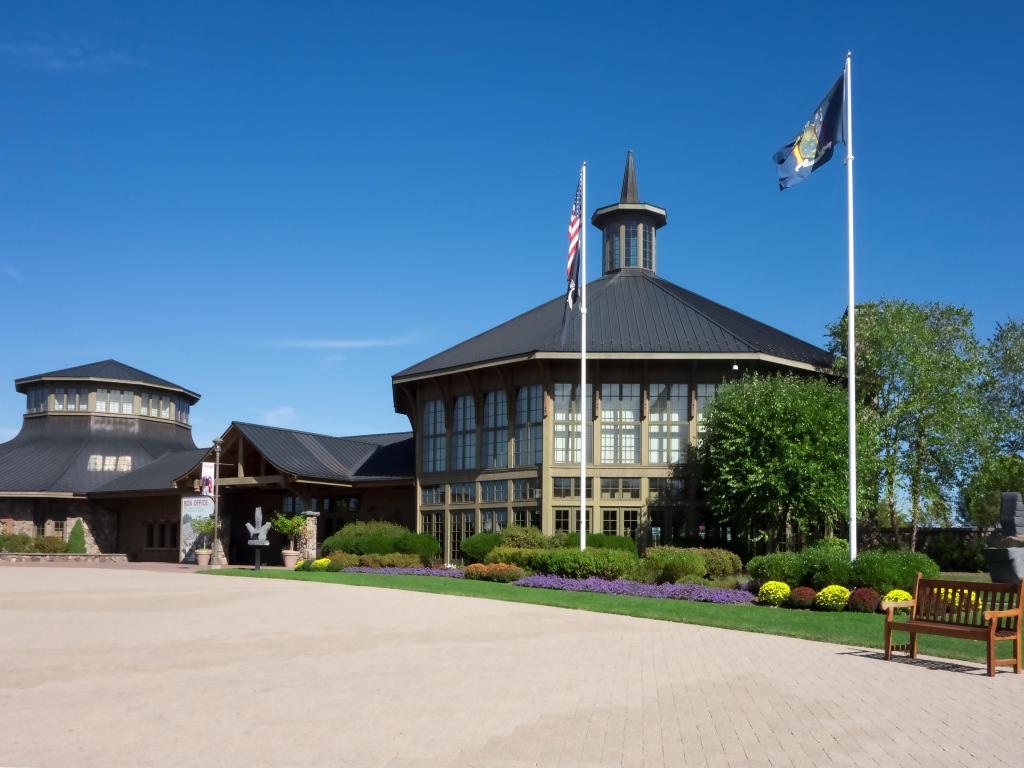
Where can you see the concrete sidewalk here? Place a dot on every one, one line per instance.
(111, 667)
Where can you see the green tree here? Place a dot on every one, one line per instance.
(774, 455)
(1004, 385)
(920, 368)
(980, 500)
(288, 526)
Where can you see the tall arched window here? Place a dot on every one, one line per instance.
(433, 436)
(495, 434)
(613, 244)
(464, 433)
(529, 425)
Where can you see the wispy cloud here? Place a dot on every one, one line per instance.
(329, 360)
(371, 343)
(282, 416)
(11, 272)
(67, 58)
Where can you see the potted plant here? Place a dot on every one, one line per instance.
(291, 528)
(203, 527)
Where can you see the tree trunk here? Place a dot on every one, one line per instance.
(890, 495)
(915, 489)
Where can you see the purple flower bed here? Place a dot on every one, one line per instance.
(452, 573)
(696, 592)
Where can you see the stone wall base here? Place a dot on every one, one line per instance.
(59, 557)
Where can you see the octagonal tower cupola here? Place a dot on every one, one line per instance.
(629, 227)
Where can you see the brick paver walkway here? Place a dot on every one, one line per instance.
(105, 667)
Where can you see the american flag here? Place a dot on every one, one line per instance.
(572, 266)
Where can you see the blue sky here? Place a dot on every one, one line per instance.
(280, 206)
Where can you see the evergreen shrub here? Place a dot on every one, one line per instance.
(476, 547)
(603, 563)
(16, 542)
(339, 561)
(76, 539)
(788, 567)
(602, 541)
(885, 571)
(523, 537)
(826, 562)
(720, 562)
(376, 537)
(500, 572)
(49, 544)
(667, 565)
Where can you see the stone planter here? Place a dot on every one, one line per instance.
(203, 558)
(290, 557)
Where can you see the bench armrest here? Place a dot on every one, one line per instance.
(890, 604)
(1008, 613)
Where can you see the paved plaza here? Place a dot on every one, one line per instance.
(132, 667)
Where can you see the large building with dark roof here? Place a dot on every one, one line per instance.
(496, 417)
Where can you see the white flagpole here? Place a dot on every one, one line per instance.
(851, 345)
(583, 360)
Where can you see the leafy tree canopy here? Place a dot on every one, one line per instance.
(774, 454)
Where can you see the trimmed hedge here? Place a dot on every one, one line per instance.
(76, 539)
(381, 538)
(476, 547)
(720, 562)
(885, 571)
(827, 562)
(49, 544)
(523, 538)
(16, 542)
(668, 565)
(781, 566)
(603, 563)
(602, 541)
(504, 573)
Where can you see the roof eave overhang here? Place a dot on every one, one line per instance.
(660, 215)
(41, 495)
(716, 356)
(20, 385)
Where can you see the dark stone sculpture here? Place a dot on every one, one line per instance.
(1005, 555)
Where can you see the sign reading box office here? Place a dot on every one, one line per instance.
(192, 508)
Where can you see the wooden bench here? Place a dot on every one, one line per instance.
(967, 609)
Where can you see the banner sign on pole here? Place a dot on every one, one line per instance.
(192, 508)
(206, 479)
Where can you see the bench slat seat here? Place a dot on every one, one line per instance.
(963, 609)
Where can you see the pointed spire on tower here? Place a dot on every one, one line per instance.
(630, 193)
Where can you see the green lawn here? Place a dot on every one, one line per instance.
(857, 629)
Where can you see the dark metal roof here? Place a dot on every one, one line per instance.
(158, 475)
(342, 459)
(629, 311)
(105, 370)
(51, 454)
